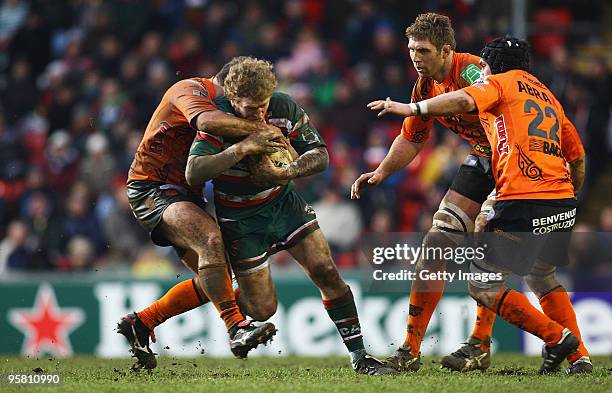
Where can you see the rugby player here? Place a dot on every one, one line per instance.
(431, 42)
(538, 165)
(173, 212)
(260, 212)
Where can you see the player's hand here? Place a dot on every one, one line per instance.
(263, 126)
(370, 179)
(388, 106)
(263, 142)
(266, 174)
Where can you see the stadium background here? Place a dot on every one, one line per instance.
(80, 79)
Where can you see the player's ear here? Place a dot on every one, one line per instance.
(446, 50)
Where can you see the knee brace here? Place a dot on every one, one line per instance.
(451, 221)
(451, 218)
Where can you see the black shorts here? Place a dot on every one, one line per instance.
(474, 179)
(523, 231)
(149, 200)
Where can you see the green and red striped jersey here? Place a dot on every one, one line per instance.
(235, 194)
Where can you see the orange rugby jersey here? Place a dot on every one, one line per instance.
(163, 151)
(463, 73)
(531, 138)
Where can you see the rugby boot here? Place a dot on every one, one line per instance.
(555, 354)
(580, 366)
(246, 335)
(138, 336)
(468, 358)
(369, 365)
(403, 360)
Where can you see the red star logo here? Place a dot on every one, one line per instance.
(46, 326)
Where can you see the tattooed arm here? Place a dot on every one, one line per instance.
(202, 167)
(309, 163)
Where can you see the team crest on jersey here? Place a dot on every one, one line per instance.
(502, 135)
(471, 73)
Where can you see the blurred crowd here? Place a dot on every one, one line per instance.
(80, 79)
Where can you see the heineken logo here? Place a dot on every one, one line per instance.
(46, 326)
(471, 73)
(35, 319)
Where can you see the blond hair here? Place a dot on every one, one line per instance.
(250, 78)
(434, 27)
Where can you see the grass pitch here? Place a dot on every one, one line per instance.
(509, 373)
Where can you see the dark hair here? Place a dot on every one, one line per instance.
(434, 27)
(222, 74)
(505, 54)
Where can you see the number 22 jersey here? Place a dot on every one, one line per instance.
(531, 138)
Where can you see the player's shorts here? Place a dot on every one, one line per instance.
(474, 179)
(521, 232)
(281, 225)
(149, 200)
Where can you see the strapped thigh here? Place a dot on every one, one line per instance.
(451, 218)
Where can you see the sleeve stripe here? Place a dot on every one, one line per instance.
(209, 138)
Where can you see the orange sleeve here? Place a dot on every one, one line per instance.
(571, 145)
(466, 70)
(487, 93)
(416, 128)
(191, 98)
